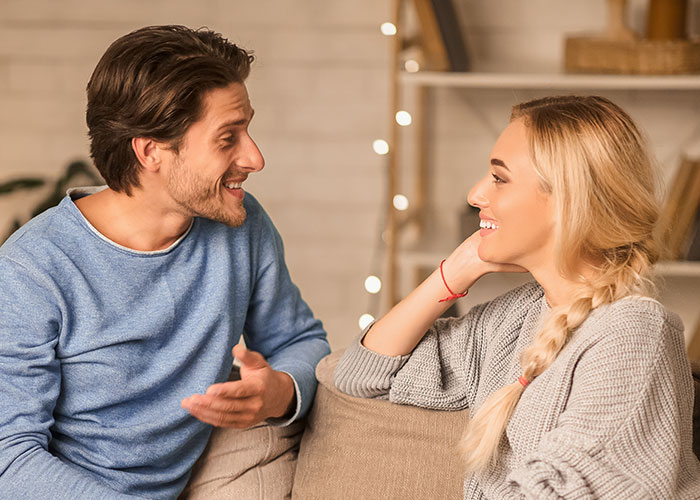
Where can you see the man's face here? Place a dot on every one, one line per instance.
(216, 156)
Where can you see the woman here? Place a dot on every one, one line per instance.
(578, 383)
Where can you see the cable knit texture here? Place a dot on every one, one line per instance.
(609, 419)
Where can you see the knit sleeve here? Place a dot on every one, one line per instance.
(625, 431)
(437, 374)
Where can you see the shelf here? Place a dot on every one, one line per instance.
(666, 269)
(676, 268)
(551, 81)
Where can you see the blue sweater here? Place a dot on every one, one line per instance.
(100, 343)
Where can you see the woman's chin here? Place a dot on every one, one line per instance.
(493, 257)
(486, 255)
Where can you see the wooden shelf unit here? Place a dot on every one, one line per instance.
(422, 81)
(554, 81)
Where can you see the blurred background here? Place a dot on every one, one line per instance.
(322, 86)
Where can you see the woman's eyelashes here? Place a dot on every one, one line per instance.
(497, 179)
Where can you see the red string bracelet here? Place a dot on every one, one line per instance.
(523, 381)
(452, 294)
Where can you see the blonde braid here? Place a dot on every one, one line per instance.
(479, 444)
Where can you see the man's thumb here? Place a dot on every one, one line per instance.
(247, 358)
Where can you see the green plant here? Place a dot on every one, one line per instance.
(73, 171)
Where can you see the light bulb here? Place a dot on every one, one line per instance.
(400, 202)
(388, 29)
(380, 146)
(373, 284)
(411, 65)
(365, 320)
(403, 118)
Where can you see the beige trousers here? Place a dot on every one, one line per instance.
(256, 463)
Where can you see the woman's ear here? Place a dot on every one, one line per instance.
(148, 152)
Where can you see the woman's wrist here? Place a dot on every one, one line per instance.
(451, 294)
(457, 278)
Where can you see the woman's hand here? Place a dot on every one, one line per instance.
(464, 266)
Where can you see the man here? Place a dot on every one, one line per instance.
(120, 306)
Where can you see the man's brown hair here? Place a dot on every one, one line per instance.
(150, 83)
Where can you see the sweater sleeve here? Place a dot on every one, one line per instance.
(279, 324)
(440, 372)
(30, 381)
(625, 431)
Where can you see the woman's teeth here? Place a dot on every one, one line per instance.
(485, 224)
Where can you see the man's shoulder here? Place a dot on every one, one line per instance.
(252, 204)
(37, 232)
(256, 216)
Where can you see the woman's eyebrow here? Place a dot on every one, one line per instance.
(500, 163)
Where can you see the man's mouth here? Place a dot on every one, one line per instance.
(233, 185)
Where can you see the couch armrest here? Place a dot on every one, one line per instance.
(373, 449)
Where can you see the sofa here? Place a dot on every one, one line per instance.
(348, 448)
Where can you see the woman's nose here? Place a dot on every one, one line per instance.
(477, 197)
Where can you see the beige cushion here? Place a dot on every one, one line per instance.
(371, 449)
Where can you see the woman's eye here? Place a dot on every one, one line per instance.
(497, 179)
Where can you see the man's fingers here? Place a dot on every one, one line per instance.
(225, 405)
(236, 389)
(224, 419)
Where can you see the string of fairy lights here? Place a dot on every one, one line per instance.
(373, 283)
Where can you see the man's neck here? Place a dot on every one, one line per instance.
(137, 222)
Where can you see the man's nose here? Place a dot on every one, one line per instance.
(250, 158)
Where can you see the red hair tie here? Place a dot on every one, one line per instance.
(523, 381)
(452, 294)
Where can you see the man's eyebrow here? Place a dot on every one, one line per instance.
(236, 123)
(500, 163)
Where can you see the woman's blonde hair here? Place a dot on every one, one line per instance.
(592, 159)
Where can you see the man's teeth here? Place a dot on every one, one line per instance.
(234, 185)
(485, 224)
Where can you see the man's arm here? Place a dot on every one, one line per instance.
(280, 325)
(30, 384)
(285, 343)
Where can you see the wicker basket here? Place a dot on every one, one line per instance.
(644, 57)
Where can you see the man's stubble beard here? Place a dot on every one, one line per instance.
(201, 200)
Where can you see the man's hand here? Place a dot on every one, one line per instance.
(260, 394)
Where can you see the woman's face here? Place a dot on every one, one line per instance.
(517, 217)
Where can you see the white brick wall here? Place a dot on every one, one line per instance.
(320, 88)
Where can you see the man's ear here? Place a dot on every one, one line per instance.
(148, 152)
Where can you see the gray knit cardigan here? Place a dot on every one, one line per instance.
(609, 419)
